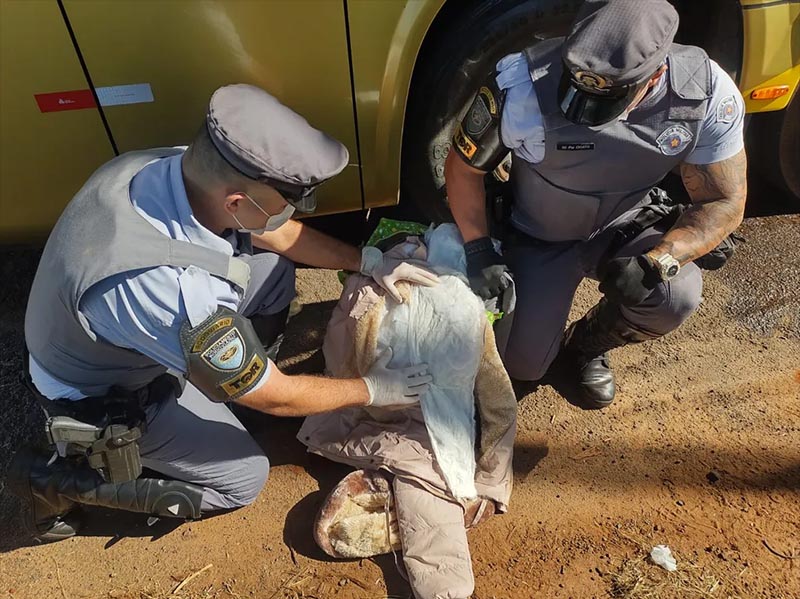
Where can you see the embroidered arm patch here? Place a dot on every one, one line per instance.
(477, 139)
(224, 356)
(727, 110)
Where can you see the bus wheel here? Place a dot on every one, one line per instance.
(457, 56)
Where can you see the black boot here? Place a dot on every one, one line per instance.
(54, 490)
(583, 358)
(49, 516)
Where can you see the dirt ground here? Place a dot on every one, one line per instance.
(700, 452)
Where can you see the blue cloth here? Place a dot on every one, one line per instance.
(144, 310)
(522, 127)
(521, 124)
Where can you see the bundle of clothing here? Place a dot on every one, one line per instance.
(430, 471)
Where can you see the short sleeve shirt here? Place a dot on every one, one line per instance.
(144, 310)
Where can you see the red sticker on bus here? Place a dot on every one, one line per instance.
(72, 100)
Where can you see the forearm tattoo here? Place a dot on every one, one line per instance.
(718, 192)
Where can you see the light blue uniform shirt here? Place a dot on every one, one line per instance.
(721, 135)
(144, 310)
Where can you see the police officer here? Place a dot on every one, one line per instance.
(594, 121)
(151, 268)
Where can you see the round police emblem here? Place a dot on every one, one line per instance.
(674, 140)
(592, 80)
(727, 111)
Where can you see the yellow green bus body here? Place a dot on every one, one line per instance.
(346, 65)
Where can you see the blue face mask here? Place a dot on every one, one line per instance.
(274, 221)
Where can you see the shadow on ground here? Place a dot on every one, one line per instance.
(21, 420)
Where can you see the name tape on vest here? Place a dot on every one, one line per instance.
(575, 147)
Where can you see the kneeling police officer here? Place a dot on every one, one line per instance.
(594, 121)
(149, 277)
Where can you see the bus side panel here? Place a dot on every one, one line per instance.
(181, 51)
(771, 52)
(44, 156)
(386, 38)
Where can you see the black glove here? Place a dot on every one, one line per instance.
(628, 281)
(488, 275)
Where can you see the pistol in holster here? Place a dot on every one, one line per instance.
(104, 430)
(111, 450)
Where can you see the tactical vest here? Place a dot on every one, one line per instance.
(588, 178)
(99, 235)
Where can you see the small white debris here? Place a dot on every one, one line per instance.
(662, 556)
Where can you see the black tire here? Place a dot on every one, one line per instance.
(451, 66)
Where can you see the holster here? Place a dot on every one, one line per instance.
(113, 451)
(103, 430)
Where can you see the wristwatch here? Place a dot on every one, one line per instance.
(667, 266)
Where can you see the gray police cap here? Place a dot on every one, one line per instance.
(269, 142)
(622, 41)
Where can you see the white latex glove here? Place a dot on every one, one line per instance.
(395, 386)
(388, 271)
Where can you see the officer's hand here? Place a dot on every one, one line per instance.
(487, 272)
(628, 281)
(386, 272)
(395, 387)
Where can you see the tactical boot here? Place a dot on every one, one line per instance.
(53, 490)
(584, 359)
(50, 516)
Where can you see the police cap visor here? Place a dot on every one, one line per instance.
(594, 108)
(303, 198)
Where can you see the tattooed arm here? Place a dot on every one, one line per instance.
(718, 193)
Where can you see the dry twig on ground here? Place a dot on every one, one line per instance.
(189, 578)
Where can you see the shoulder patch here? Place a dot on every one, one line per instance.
(674, 140)
(728, 110)
(477, 138)
(227, 353)
(224, 356)
(480, 114)
(478, 118)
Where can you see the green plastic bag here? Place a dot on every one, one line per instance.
(388, 229)
(388, 233)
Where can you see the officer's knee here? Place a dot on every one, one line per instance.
(529, 362)
(525, 371)
(251, 478)
(671, 304)
(688, 293)
(684, 296)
